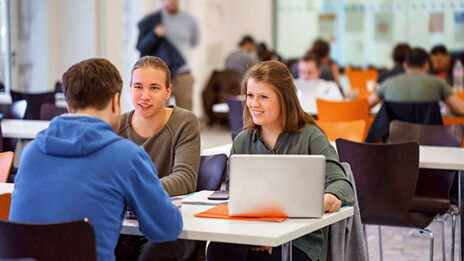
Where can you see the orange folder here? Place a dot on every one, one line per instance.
(222, 211)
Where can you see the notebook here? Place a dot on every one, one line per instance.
(276, 185)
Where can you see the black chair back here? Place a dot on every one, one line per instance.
(423, 113)
(211, 172)
(235, 114)
(432, 135)
(219, 84)
(385, 177)
(48, 111)
(73, 240)
(16, 110)
(35, 101)
(434, 188)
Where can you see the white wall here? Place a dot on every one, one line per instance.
(63, 32)
(72, 35)
(30, 44)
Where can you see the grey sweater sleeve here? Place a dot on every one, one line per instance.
(183, 179)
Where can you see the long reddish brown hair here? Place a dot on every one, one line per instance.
(276, 74)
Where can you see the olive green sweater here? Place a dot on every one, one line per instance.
(311, 140)
(174, 149)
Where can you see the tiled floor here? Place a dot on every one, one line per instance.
(398, 243)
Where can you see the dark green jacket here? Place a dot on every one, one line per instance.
(311, 140)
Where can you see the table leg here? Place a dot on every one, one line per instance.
(287, 251)
(461, 217)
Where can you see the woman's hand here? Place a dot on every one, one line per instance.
(331, 203)
(263, 248)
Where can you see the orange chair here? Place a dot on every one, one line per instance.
(5, 202)
(342, 110)
(460, 95)
(358, 80)
(348, 130)
(6, 160)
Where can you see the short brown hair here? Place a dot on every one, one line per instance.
(321, 48)
(276, 74)
(91, 83)
(312, 57)
(155, 63)
(399, 52)
(417, 58)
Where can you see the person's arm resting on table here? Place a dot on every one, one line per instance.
(159, 219)
(183, 179)
(455, 104)
(338, 189)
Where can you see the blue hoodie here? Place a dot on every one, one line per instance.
(79, 168)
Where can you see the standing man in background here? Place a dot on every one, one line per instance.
(170, 34)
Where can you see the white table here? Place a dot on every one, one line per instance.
(22, 129)
(218, 150)
(430, 157)
(447, 158)
(60, 100)
(6, 188)
(260, 233)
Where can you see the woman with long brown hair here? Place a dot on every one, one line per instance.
(275, 123)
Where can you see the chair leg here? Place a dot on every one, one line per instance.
(422, 230)
(365, 242)
(442, 220)
(453, 234)
(380, 244)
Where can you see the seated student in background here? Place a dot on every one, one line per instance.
(79, 168)
(441, 63)
(329, 68)
(309, 72)
(266, 54)
(245, 57)
(275, 123)
(416, 85)
(398, 55)
(171, 136)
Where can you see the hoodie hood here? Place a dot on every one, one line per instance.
(75, 136)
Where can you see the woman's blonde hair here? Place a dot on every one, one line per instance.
(276, 74)
(155, 63)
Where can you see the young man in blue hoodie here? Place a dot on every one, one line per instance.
(80, 168)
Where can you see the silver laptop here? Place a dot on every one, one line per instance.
(307, 93)
(276, 185)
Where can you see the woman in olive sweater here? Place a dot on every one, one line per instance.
(275, 123)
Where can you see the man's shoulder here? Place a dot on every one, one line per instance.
(182, 115)
(150, 19)
(395, 80)
(435, 79)
(123, 145)
(188, 16)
